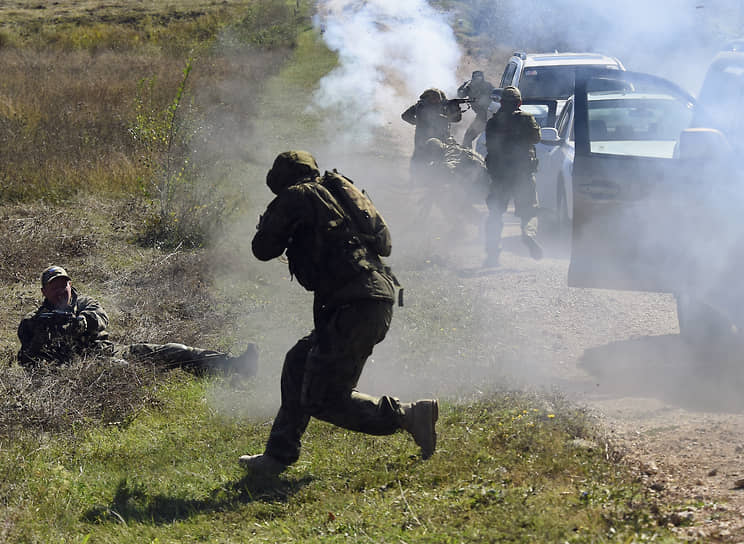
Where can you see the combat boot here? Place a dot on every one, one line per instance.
(262, 464)
(245, 364)
(536, 250)
(419, 419)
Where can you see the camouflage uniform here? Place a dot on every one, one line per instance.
(352, 309)
(41, 340)
(459, 178)
(431, 115)
(511, 136)
(44, 342)
(480, 90)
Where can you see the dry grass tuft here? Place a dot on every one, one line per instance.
(90, 391)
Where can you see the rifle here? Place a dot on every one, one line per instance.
(457, 102)
(58, 320)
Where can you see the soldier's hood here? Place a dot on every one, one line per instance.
(289, 168)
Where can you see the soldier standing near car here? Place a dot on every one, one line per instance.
(334, 240)
(479, 89)
(511, 135)
(431, 115)
(69, 325)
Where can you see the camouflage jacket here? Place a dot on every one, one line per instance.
(305, 221)
(45, 338)
(510, 143)
(431, 120)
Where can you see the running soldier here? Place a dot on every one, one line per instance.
(334, 240)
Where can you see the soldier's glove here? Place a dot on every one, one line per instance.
(79, 325)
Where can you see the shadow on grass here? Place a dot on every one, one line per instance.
(131, 502)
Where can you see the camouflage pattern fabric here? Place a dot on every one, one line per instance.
(432, 120)
(511, 136)
(307, 222)
(320, 374)
(352, 309)
(44, 341)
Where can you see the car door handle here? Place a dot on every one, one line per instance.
(599, 189)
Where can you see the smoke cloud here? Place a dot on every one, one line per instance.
(389, 52)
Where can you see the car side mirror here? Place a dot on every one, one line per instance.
(549, 136)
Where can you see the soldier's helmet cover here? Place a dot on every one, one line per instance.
(289, 168)
(432, 93)
(477, 74)
(511, 95)
(51, 273)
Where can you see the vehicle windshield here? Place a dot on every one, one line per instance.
(636, 124)
(538, 111)
(548, 82)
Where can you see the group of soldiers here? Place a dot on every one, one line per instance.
(506, 174)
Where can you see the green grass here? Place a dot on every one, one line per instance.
(506, 471)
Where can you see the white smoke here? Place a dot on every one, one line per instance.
(389, 52)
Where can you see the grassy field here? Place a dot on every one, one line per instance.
(100, 453)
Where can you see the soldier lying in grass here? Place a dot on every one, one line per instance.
(69, 324)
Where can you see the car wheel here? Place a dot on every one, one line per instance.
(700, 325)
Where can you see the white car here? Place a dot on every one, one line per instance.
(546, 81)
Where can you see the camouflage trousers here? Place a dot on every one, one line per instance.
(520, 188)
(171, 355)
(321, 372)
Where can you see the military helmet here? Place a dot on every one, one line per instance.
(477, 74)
(511, 94)
(433, 93)
(289, 168)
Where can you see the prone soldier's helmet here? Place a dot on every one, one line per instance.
(511, 95)
(289, 168)
(432, 95)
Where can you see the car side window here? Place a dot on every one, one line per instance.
(562, 125)
(508, 76)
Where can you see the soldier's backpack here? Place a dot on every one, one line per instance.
(366, 221)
